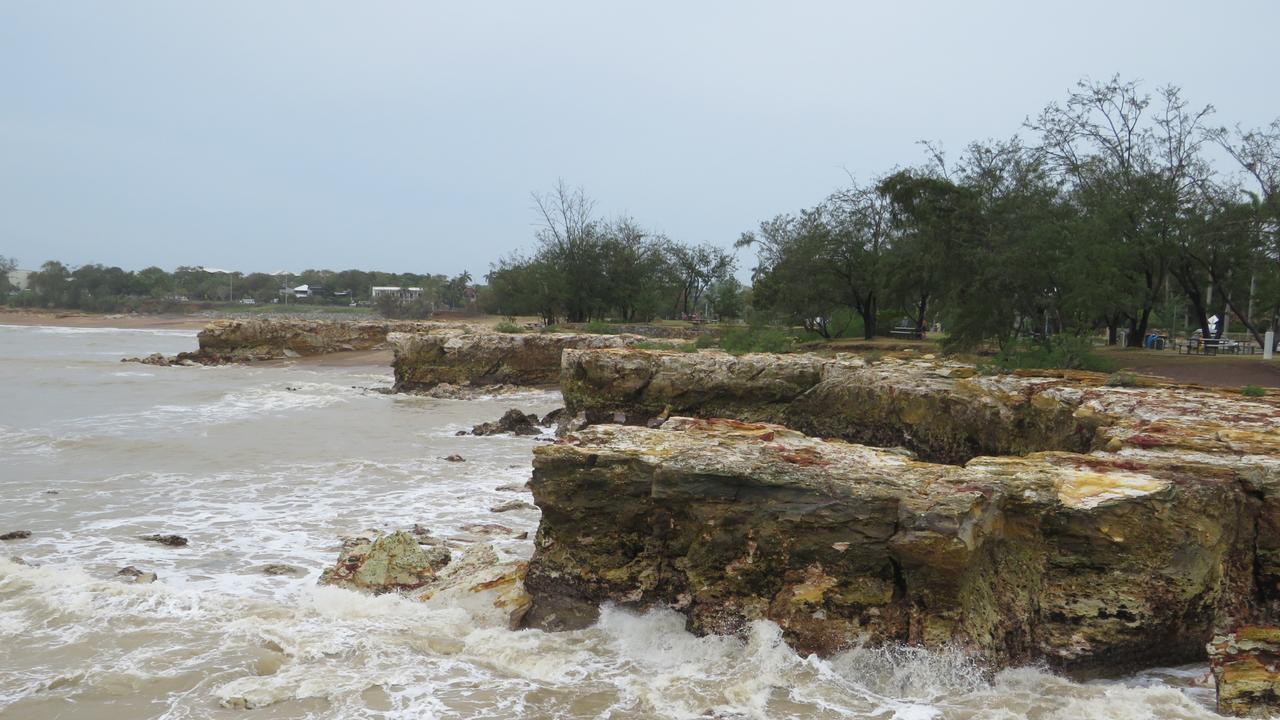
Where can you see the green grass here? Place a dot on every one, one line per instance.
(1253, 391)
(597, 327)
(741, 341)
(1066, 353)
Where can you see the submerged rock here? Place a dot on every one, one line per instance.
(512, 421)
(455, 458)
(170, 540)
(152, 359)
(1246, 671)
(1092, 563)
(281, 569)
(387, 563)
(16, 535)
(132, 574)
(511, 505)
(481, 583)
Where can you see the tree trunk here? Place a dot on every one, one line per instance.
(922, 309)
(867, 310)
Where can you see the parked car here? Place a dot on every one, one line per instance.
(248, 301)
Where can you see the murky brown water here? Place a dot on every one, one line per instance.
(270, 465)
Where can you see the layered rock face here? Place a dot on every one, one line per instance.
(274, 338)
(1095, 563)
(1246, 671)
(943, 411)
(425, 360)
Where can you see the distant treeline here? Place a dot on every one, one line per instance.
(100, 288)
(1113, 219)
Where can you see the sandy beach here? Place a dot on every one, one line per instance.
(71, 318)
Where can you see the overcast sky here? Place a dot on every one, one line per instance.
(407, 136)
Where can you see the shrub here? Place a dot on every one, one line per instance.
(598, 327)
(1121, 379)
(705, 341)
(740, 341)
(1060, 352)
(506, 326)
(392, 308)
(553, 328)
(1253, 391)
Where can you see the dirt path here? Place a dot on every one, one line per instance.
(1229, 374)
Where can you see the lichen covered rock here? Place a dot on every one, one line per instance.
(489, 588)
(944, 411)
(386, 563)
(1093, 563)
(1246, 670)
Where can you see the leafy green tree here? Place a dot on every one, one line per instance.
(7, 265)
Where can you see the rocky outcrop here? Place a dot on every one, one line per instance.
(945, 412)
(1246, 670)
(425, 360)
(386, 563)
(1094, 563)
(247, 340)
(513, 422)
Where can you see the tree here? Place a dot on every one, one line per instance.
(698, 266)
(1134, 172)
(826, 258)
(570, 243)
(7, 265)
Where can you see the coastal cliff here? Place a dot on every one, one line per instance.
(424, 360)
(235, 340)
(944, 411)
(1094, 563)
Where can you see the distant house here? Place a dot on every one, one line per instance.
(403, 294)
(303, 292)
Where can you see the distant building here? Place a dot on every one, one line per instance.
(19, 280)
(303, 292)
(402, 293)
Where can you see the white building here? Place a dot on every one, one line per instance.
(404, 294)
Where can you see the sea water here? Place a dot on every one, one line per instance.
(271, 464)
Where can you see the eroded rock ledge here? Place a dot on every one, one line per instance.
(483, 358)
(223, 341)
(1095, 563)
(944, 411)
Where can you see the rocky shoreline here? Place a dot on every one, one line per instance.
(1094, 523)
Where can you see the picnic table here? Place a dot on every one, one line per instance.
(908, 332)
(1216, 346)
